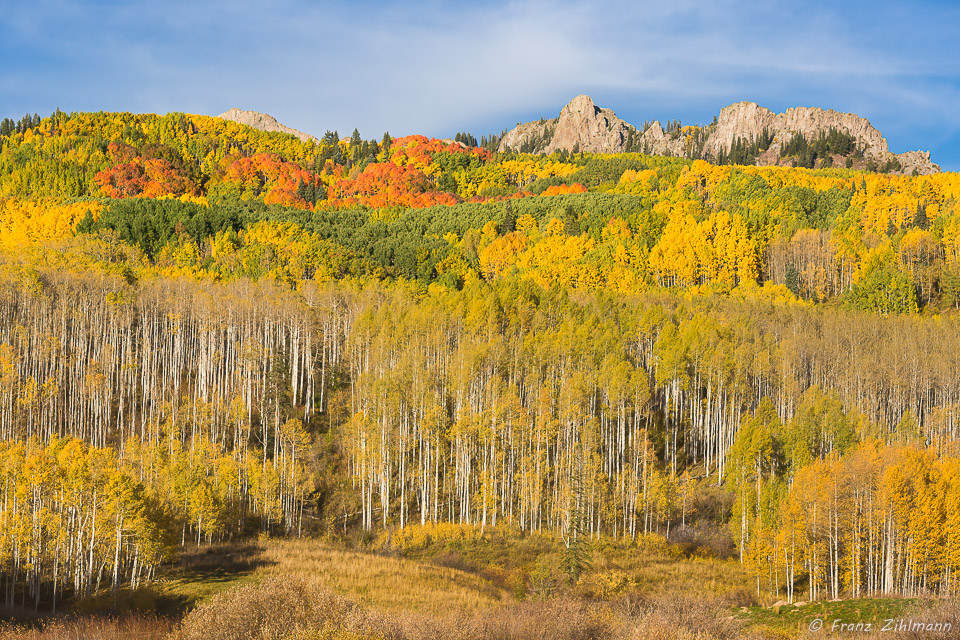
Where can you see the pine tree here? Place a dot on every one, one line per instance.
(509, 220)
(792, 279)
(571, 226)
(920, 220)
(576, 553)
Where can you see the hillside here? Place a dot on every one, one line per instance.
(819, 233)
(743, 133)
(212, 334)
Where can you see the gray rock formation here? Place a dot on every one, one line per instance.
(584, 126)
(581, 125)
(262, 122)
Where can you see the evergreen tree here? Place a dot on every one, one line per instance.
(920, 220)
(330, 138)
(509, 222)
(571, 225)
(466, 139)
(575, 557)
(792, 279)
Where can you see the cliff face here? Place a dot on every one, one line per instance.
(745, 119)
(262, 122)
(584, 126)
(581, 125)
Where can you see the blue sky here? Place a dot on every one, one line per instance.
(441, 67)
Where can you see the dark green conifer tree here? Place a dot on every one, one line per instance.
(920, 219)
(571, 225)
(509, 222)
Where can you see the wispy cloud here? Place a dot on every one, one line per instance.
(438, 67)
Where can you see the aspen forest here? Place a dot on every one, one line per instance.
(211, 334)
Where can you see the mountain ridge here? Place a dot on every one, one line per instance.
(742, 133)
(584, 126)
(263, 122)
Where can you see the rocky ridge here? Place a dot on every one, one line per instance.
(583, 126)
(262, 122)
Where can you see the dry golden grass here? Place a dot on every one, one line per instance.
(437, 569)
(250, 612)
(378, 580)
(201, 573)
(91, 627)
(456, 585)
(456, 590)
(648, 565)
(651, 568)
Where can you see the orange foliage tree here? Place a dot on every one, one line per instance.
(266, 174)
(150, 173)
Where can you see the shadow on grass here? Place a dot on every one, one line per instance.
(197, 573)
(200, 572)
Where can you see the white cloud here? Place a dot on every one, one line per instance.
(438, 67)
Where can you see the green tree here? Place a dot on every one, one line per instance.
(509, 222)
(575, 558)
(920, 220)
(819, 426)
(885, 290)
(571, 225)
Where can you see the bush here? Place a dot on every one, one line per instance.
(688, 618)
(703, 539)
(280, 608)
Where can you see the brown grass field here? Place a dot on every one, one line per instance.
(450, 583)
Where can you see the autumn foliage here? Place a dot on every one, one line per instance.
(563, 189)
(203, 311)
(153, 172)
(267, 176)
(387, 184)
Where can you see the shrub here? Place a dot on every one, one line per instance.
(280, 608)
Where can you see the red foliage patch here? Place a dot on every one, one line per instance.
(386, 184)
(268, 175)
(158, 171)
(421, 148)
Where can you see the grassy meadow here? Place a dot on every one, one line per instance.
(446, 581)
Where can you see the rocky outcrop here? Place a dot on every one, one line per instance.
(262, 122)
(583, 126)
(919, 161)
(748, 119)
